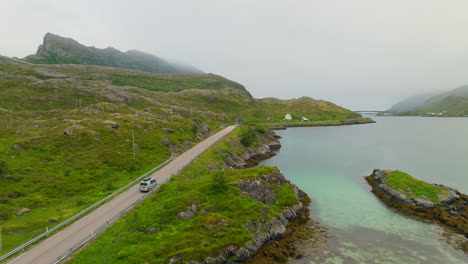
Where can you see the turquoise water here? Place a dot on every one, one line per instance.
(329, 163)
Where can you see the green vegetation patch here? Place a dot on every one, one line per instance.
(414, 188)
(173, 82)
(286, 196)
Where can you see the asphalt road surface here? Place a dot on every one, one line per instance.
(57, 245)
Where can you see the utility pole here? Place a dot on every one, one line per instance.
(133, 143)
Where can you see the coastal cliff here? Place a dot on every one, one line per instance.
(431, 203)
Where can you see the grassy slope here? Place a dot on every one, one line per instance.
(258, 110)
(414, 188)
(198, 237)
(452, 103)
(55, 171)
(56, 175)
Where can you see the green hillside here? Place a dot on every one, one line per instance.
(452, 103)
(66, 132)
(59, 50)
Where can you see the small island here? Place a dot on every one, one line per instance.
(427, 202)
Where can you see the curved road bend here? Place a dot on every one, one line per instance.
(55, 246)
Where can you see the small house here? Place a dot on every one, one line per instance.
(304, 119)
(288, 117)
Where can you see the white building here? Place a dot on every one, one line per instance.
(288, 117)
(304, 119)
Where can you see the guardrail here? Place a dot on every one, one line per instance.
(99, 230)
(14, 251)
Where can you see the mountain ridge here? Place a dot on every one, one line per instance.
(448, 103)
(60, 50)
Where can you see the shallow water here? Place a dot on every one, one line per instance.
(329, 163)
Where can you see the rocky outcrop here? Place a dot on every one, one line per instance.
(59, 50)
(168, 130)
(259, 189)
(451, 211)
(191, 211)
(202, 130)
(23, 211)
(165, 141)
(263, 231)
(71, 130)
(251, 157)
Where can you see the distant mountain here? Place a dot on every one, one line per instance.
(451, 103)
(59, 50)
(410, 103)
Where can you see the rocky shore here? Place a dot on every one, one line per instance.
(301, 231)
(278, 239)
(450, 211)
(251, 157)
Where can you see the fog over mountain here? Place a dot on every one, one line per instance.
(360, 54)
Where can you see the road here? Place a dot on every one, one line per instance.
(55, 246)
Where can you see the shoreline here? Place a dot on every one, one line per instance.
(283, 126)
(302, 229)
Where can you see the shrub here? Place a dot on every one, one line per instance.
(4, 212)
(3, 167)
(247, 137)
(260, 129)
(218, 182)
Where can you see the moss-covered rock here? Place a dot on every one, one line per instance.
(423, 201)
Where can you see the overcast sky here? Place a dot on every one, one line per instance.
(360, 54)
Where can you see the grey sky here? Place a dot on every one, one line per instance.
(361, 54)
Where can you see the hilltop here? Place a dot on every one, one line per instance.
(451, 103)
(59, 50)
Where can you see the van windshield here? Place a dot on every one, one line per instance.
(143, 184)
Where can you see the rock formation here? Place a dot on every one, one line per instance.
(451, 210)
